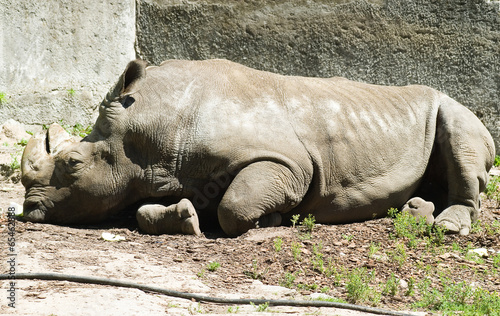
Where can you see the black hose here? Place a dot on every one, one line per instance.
(195, 297)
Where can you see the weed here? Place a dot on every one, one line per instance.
(497, 161)
(288, 280)
(233, 309)
(308, 223)
(492, 190)
(295, 220)
(317, 260)
(306, 226)
(15, 164)
(493, 228)
(307, 287)
(255, 274)
(359, 289)
(278, 243)
(410, 291)
(260, 308)
(399, 255)
(23, 142)
(195, 310)
(325, 289)
(3, 98)
(213, 266)
(496, 261)
(391, 286)
(296, 251)
(71, 92)
(414, 230)
(347, 237)
(80, 130)
(201, 274)
(458, 298)
(374, 248)
(75, 130)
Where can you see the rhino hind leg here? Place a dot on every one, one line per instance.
(257, 197)
(466, 152)
(180, 218)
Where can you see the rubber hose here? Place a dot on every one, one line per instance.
(191, 296)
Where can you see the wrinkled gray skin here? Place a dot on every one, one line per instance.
(251, 148)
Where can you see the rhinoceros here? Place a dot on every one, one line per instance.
(191, 142)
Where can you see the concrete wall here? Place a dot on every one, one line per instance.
(59, 57)
(50, 47)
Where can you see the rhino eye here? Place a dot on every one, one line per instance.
(72, 162)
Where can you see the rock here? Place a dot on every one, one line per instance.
(13, 130)
(482, 252)
(320, 296)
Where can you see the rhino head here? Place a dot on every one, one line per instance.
(71, 181)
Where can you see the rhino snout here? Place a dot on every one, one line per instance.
(33, 211)
(35, 215)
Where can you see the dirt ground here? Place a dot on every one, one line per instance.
(259, 264)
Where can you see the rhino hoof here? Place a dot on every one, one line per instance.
(178, 218)
(419, 208)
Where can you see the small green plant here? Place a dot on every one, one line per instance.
(374, 248)
(398, 255)
(23, 142)
(410, 291)
(14, 163)
(3, 98)
(347, 237)
(195, 310)
(80, 130)
(296, 251)
(391, 286)
(317, 261)
(492, 190)
(295, 220)
(288, 280)
(308, 223)
(255, 273)
(496, 261)
(261, 307)
(75, 130)
(458, 298)
(201, 274)
(306, 227)
(278, 244)
(71, 92)
(359, 289)
(233, 309)
(415, 230)
(213, 266)
(497, 161)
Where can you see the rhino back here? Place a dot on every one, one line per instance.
(362, 144)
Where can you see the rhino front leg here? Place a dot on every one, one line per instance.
(258, 195)
(180, 218)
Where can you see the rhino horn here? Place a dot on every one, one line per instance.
(57, 137)
(37, 161)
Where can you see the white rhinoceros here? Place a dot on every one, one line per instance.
(214, 140)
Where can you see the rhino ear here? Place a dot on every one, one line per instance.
(135, 71)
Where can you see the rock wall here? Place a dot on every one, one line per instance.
(58, 58)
